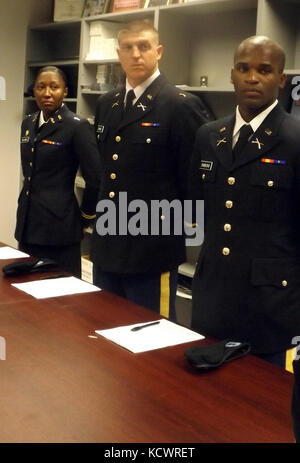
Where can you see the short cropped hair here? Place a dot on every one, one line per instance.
(261, 41)
(53, 69)
(138, 26)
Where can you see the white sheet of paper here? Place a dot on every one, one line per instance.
(42, 289)
(164, 334)
(6, 252)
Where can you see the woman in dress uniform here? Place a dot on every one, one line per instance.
(55, 142)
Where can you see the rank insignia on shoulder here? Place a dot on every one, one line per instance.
(150, 124)
(274, 161)
(49, 142)
(206, 165)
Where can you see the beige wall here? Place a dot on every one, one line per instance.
(15, 16)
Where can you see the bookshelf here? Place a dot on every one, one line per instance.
(199, 37)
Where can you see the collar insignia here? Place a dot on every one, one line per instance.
(143, 107)
(221, 140)
(258, 143)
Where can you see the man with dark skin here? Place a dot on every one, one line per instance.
(246, 167)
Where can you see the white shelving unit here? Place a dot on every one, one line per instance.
(198, 37)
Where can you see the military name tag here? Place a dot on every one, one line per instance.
(206, 165)
(100, 128)
(25, 140)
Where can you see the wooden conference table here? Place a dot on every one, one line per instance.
(60, 385)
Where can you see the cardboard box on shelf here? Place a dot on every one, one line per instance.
(66, 10)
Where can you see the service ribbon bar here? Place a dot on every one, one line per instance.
(49, 142)
(273, 161)
(150, 124)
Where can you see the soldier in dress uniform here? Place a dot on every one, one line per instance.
(145, 146)
(246, 167)
(54, 143)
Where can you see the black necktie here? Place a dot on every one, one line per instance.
(129, 99)
(245, 132)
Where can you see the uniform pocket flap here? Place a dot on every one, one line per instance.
(271, 176)
(207, 170)
(156, 136)
(272, 272)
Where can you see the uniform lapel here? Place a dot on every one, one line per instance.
(264, 139)
(221, 142)
(115, 112)
(50, 127)
(32, 126)
(144, 104)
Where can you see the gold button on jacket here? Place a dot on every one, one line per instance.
(225, 251)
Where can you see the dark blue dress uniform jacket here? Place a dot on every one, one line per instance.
(48, 212)
(247, 281)
(146, 162)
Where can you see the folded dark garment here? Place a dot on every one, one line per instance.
(214, 355)
(21, 267)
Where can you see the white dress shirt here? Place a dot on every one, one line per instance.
(255, 122)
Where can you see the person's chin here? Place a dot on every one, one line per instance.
(47, 106)
(252, 101)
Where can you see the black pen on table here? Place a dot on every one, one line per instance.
(140, 327)
(62, 275)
